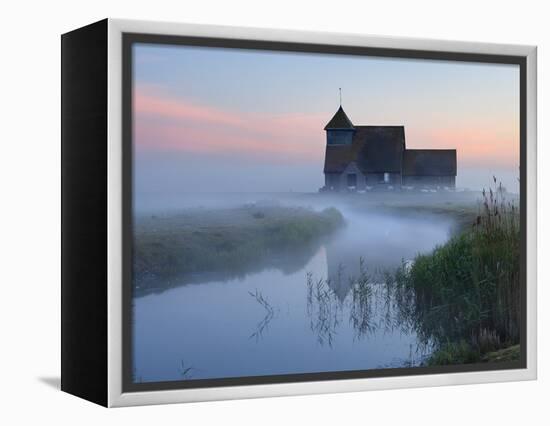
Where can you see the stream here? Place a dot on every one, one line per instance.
(306, 321)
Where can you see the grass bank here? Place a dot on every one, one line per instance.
(466, 294)
(205, 243)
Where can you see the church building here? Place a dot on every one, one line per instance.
(361, 158)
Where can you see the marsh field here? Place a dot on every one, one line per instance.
(240, 285)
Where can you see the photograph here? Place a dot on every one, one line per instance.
(300, 214)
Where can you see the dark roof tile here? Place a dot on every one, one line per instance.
(429, 162)
(337, 158)
(376, 149)
(379, 148)
(339, 121)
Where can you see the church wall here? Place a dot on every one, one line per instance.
(332, 181)
(376, 179)
(429, 181)
(352, 169)
(339, 181)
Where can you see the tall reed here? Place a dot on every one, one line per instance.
(469, 289)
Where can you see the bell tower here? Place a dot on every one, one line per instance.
(340, 129)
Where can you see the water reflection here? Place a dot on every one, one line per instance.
(333, 310)
(186, 372)
(324, 309)
(375, 303)
(269, 314)
(287, 261)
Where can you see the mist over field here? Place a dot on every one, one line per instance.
(166, 180)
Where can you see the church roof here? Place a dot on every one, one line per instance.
(429, 162)
(337, 157)
(380, 148)
(339, 121)
(376, 149)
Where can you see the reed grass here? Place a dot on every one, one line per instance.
(467, 292)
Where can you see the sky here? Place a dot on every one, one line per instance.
(235, 120)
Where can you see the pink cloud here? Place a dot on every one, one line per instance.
(476, 145)
(154, 105)
(164, 123)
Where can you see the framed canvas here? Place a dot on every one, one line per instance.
(251, 212)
